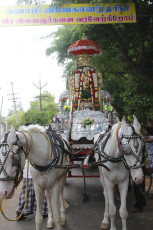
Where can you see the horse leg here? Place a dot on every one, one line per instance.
(56, 205)
(123, 187)
(62, 202)
(112, 209)
(39, 199)
(105, 221)
(50, 222)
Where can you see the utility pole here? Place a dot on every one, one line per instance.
(14, 101)
(40, 95)
(1, 109)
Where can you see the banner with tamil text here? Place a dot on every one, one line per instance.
(31, 15)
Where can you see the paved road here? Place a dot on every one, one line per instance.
(81, 215)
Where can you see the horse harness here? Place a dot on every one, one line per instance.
(104, 137)
(57, 144)
(15, 162)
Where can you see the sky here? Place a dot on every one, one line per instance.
(23, 61)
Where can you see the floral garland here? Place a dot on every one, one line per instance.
(96, 104)
(75, 104)
(77, 84)
(63, 99)
(87, 121)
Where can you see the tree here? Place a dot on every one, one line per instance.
(49, 110)
(48, 103)
(37, 117)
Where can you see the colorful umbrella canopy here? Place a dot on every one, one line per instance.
(85, 46)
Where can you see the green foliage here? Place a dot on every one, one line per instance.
(131, 97)
(48, 102)
(49, 109)
(37, 117)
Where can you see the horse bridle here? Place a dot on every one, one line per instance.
(102, 141)
(15, 162)
(134, 136)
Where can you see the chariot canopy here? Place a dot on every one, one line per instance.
(84, 46)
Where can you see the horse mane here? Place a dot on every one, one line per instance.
(114, 131)
(32, 128)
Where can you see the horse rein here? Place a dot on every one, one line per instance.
(27, 144)
(25, 204)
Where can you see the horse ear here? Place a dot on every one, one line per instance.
(136, 123)
(3, 131)
(13, 137)
(124, 126)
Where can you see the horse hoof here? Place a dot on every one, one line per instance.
(50, 225)
(104, 226)
(63, 222)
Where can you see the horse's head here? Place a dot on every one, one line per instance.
(10, 163)
(131, 145)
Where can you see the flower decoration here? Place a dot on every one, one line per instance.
(105, 107)
(87, 121)
(75, 104)
(63, 99)
(110, 108)
(96, 104)
(67, 108)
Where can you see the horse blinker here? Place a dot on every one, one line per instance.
(16, 159)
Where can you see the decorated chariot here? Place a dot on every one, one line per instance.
(84, 109)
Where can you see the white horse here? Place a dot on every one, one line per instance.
(45, 152)
(122, 147)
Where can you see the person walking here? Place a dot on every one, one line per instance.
(140, 200)
(149, 140)
(31, 199)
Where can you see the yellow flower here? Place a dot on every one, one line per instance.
(67, 107)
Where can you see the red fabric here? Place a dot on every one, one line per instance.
(84, 46)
